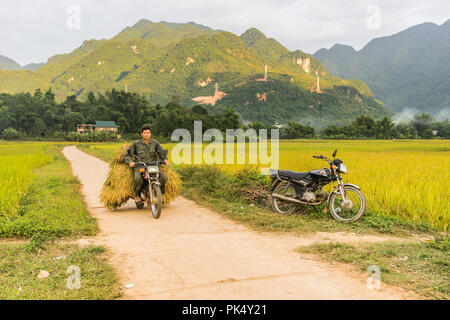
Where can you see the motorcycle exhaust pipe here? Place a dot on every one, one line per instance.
(279, 196)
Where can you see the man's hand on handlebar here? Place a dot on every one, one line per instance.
(132, 163)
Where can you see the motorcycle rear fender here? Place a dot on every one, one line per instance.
(274, 183)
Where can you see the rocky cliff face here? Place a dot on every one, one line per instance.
(305, 63)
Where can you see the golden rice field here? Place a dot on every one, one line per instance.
(408, 179)
(17, 162)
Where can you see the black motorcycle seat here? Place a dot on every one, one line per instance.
(292, 174)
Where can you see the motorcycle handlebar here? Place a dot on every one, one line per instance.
(150, 163)
(323, 158)
(145, 164)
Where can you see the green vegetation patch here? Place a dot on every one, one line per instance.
(243, 196)
(21, 264)
(422, 267)
(52, 205)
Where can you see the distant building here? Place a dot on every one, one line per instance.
(98, 126)
(106, 126)
(85, 128)
(278, 126)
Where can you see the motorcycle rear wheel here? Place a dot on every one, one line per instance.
(283, 206)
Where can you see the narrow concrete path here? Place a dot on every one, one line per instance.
(194, 253)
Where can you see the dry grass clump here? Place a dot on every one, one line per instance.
(118, 186)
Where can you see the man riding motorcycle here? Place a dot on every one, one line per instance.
(146, 150)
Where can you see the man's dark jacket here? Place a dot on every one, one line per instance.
(145, 152)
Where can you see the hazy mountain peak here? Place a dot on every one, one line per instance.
(9, 64)
(408, 69)
(142, 23)
(163, 33)
(33, 66)
(342, 47)
(200, 26)
(251, 36)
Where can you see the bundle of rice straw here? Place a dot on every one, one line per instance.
(118, 186)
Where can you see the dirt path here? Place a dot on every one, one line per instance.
(194, 253)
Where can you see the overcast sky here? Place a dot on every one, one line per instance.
(34, 30)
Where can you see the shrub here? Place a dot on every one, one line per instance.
(11, 134)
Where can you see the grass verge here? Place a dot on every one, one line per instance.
(421, 267)
(243, 197)
(53, 204)
(20, 265)
(52, 207)
(103, 151)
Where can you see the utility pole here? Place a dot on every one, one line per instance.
(126, 87)
(265, 72)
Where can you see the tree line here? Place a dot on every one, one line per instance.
(422, 126)
(38, 115)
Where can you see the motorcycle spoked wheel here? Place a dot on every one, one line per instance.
(155, 205)
(283, 206)
(349, 211)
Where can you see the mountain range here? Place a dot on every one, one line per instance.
(407, 70)
(191, 64)
(9, 64)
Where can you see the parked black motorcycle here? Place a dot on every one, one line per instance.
(289, 188)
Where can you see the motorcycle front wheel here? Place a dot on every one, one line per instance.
(155, 201)
(350, 210)
(283, 206)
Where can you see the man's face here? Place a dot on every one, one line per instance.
(146, 134)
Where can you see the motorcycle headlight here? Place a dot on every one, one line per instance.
(343, 168)
(153, 169)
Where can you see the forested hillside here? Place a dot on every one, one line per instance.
(190, 64)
